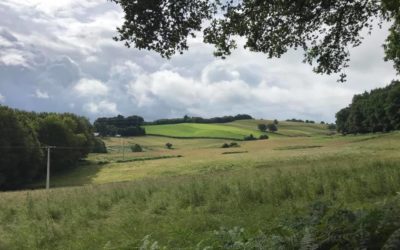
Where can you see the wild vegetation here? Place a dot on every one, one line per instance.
(326, 197)
(24, 136)
(188, 119)
(370, 112)
(120, 125)
(306, 188)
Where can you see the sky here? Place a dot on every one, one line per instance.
(59, 56)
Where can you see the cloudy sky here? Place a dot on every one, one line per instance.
(59, 56)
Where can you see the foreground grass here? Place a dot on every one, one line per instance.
(286, 193)
(182, 212)
(205, 156)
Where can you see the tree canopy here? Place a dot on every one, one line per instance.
(124, 126)
(324, 29)
(188, 119)
(375, 111)
(24, 136)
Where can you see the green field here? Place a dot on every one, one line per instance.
(190, 130)
(297, 189)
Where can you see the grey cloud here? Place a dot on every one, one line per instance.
(63, 43)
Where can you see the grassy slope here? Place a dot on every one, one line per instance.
(180, 201)
(292, 129)
(201, 130)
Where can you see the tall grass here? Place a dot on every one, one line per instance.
(183, 211)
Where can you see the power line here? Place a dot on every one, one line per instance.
(44, 147)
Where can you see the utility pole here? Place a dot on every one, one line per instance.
(48, 166)
(123, 149)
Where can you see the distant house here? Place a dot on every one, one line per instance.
(96, 134)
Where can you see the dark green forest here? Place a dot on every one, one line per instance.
(370, 112)
(188, 119)
(25, 135)
(120, 125)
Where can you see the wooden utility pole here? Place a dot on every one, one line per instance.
(48, 166)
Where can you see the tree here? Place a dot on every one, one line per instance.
(21, 155)
(276, 122)
(168, 145)
(99, 146)
(272, 127)
(124, 126)
(262, 127)
(374, 111)
(323, 29)
(53, 130)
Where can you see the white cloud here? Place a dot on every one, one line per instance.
(13, 59)
(41, 94)
(91, 87)
(103, 107)
(65, 48)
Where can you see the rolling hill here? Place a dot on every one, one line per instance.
(197, 130)
(235, 130)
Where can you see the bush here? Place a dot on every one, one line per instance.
(99, 146)
(332, 127)
(168, 145)
(262, 127)
(231, 145)
(136, 148)
(249, 138)
(272, 127)
(225, 145)
(263, 137)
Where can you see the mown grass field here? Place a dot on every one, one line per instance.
(180, 197)
(190, 130)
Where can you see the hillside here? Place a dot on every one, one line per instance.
(235, 130)
(179, 202)
(292, 129)
(197, 130)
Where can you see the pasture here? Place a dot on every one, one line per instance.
(199, 195)
(196, 130)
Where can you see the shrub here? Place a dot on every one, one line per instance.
(263, 137)
(234, 145)
(276, 122)
(332, 126)
(168, 145)
(272, 127)
(225, 145)
(136, 148)
(249, 138)
(99, 146)
(262, 127)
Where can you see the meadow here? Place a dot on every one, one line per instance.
(196, 130)
(303, 188)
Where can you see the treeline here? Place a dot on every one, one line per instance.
(188, 119)
(120, 125)
(303, 121)
(24, 136)
(375, 111)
